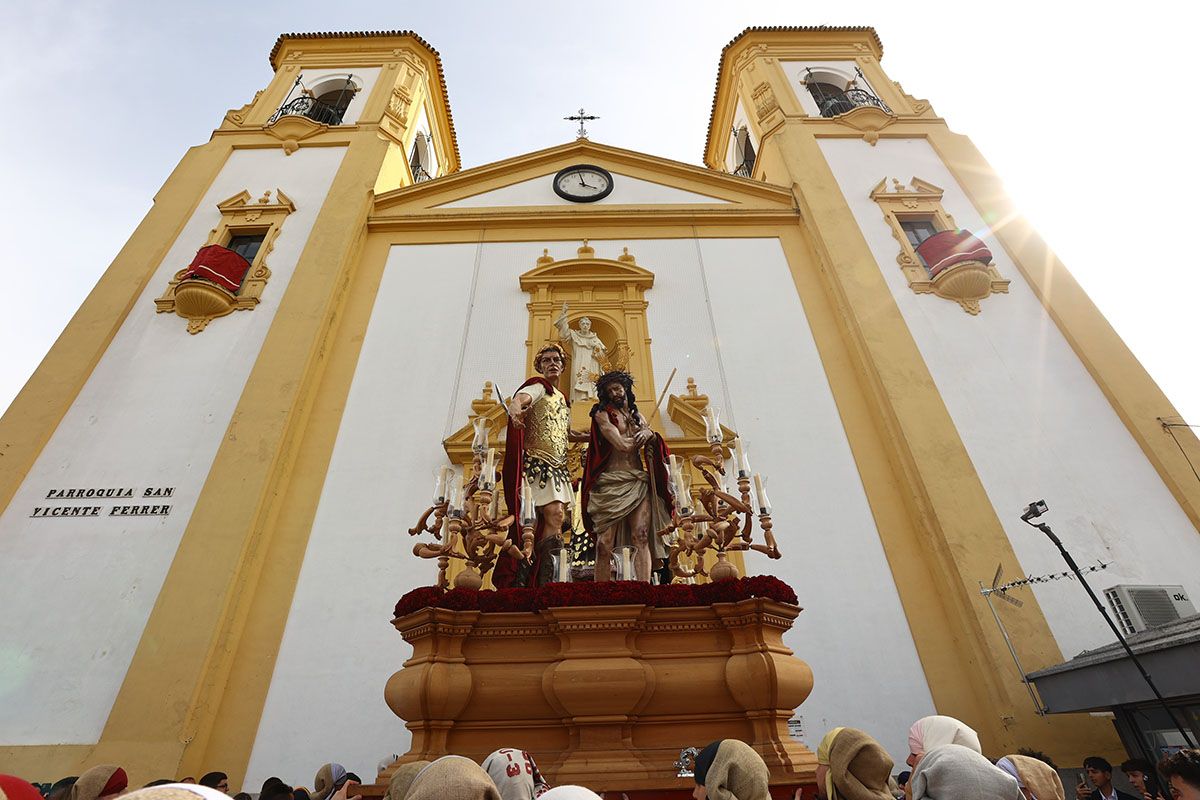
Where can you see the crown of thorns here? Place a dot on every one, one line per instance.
(616, 375)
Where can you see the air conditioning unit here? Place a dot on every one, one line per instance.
(1137, 608)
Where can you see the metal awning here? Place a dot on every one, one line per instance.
(1101, 679)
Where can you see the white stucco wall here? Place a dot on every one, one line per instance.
(1033, 420)
(539, 191)
(153, 413)
(390, 432)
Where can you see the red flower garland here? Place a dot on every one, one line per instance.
(604, 593)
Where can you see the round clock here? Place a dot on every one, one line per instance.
(583, 183)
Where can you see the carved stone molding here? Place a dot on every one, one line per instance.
(291, 129)
(965, 283)
(199, 301)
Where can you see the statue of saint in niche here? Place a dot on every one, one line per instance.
(586, 350)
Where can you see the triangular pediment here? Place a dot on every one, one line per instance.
(526, 182)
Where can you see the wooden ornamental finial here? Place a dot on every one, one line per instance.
(586, 251)
(625, 257)
(545, 258)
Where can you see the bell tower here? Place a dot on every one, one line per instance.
(945, 297)
(252, 240)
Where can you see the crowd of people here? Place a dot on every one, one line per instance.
(945, 762)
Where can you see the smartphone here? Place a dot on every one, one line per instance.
(1082, 778)
(1151, 786)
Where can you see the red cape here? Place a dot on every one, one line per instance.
(504, 575)
(600, 451)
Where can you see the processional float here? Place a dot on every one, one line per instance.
(608, 684)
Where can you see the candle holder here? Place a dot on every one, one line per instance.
(720, 522)
(470, 532)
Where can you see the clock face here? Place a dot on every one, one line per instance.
(583, 183)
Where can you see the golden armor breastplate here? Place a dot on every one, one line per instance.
(546, 429)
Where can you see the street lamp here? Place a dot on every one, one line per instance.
(1035, 510)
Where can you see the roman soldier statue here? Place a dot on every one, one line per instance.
(535, 454)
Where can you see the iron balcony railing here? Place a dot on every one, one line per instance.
(745, 169)
(310, 107)
(833, 104)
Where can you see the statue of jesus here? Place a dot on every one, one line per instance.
(585, 353)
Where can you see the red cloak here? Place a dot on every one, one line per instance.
(504, 576)
(600, 451)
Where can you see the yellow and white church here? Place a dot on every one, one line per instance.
(207, 484)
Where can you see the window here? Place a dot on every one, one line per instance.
(743, 153)
(420, 161)
(246, 245)
(830, 99)
(918, 230)
(325, 102)
(836, 95)
(337, 101)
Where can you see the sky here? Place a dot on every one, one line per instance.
(1085, 110)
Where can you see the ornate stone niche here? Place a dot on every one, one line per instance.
(968, 280)
(611, 293)
(199, 301)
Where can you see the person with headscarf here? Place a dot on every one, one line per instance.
(729, 769)
(402, 778)
(930, 732)
(570, 793)
(956, 772)
(177, 791)
(515, 774)
(330, 778)
(1036, 779)
(453, 778)
(98, 783)
(852, 766)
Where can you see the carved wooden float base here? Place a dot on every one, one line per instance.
(604, 696)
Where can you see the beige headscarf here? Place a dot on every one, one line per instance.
(1038, 777)
(955, 772)
(329, 778)
(99, 781)
(737, 773)
(859, 767)
(177, 791)
(570, 793)
(930, 732)
(453, 778)
(402, 779)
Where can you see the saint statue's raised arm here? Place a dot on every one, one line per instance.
(586, 349)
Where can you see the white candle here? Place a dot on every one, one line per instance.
(480, 441)
(626, 563)
(564, 565)
(743, 463)
(685, 494)
(528, 511)
(439, 486)
(453, 498)
(489, 468)
(764, 505)
(712, 426)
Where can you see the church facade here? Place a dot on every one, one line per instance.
(208, 483)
